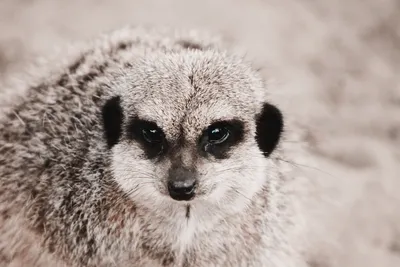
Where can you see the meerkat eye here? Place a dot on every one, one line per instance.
(152, 135)
(218, 135)
(148, 135)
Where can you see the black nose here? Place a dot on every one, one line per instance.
(181, 182)
(182, 189)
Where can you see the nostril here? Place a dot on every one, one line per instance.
(182, 189)
(181, 186)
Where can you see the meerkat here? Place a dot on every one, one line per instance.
(146, 148)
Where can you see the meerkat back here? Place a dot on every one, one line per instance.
(143, 147)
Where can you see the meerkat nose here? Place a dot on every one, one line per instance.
(182, 190)
(182, 185)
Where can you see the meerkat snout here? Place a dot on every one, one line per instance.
(182, 183)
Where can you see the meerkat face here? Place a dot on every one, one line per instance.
(190, 128)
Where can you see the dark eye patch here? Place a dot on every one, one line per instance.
(148, 135)
(218, 138)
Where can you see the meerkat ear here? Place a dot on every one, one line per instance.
(269, 128)
(112, 120)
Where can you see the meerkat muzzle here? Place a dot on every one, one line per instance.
(181, 184)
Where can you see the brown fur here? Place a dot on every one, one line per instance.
(67, 200)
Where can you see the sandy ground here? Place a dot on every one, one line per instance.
(335, 68)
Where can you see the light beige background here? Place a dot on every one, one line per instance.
(335, 65)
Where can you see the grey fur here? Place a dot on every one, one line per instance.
(67, 200)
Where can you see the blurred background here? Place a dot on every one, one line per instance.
(334, 66)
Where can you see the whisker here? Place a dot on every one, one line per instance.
(137, 187)
(140, 178)
(306, 166)
(240, 193)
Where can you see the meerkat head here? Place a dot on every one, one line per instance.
(190, 128)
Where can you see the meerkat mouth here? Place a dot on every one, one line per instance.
(187, 211)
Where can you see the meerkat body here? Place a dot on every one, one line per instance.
(148, 148)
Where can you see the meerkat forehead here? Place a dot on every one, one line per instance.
(189, 90)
